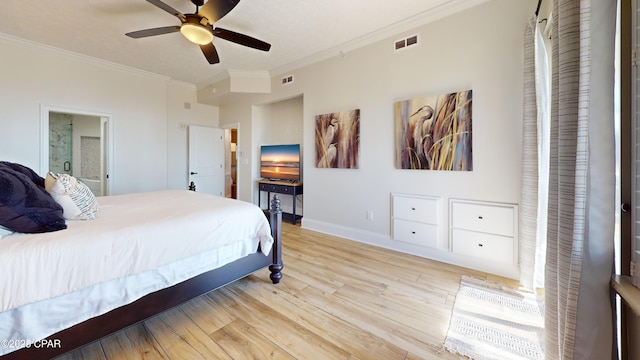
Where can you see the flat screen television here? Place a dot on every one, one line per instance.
(280, 162)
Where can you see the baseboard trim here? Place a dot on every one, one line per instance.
(386, 242)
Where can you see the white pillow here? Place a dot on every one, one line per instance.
(76, 199)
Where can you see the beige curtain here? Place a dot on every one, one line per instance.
(529, 182)
(581, 182)
(535, 157)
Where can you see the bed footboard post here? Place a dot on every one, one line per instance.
(275, 218)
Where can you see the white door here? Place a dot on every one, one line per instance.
(206, 159)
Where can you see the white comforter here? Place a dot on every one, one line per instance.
(132, 234)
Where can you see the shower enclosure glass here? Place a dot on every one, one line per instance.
(60, 143)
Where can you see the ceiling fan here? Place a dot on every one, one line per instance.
(198, 27)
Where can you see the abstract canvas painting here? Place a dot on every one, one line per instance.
(434, 133)
(338, 139)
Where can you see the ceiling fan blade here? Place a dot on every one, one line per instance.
(167, 8)
(210, 53)
(214, 10)
(152, 32)
(241, 39)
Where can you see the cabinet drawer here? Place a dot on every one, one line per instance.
(415, 233)
(268, 187)
(494, 248)
(281, 188)
(421, 209)
(486, 218)
(275, 188)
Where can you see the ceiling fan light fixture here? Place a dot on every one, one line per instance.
(196, 33)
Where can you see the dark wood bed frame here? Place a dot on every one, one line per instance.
(159, 301)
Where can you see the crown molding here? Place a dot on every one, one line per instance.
(431, 15)
(421, 19)
(28, 44)
(249, 73)
(231, 73)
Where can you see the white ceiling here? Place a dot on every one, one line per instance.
(300, 31)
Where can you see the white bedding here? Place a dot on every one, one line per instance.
(32, 322)
(132, 234)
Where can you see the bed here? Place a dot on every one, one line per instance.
(142, 254)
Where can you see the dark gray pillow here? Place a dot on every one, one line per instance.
(26, 207)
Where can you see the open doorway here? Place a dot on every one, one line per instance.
(231, 161)
(77, 143)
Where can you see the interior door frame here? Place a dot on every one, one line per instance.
(626, 247)
(106, 121)
(626, 146)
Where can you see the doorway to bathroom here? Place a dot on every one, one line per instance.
(76, 143)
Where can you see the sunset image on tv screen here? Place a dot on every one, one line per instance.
(280, 162)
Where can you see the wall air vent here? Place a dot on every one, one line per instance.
(405, 43)
(287, 80)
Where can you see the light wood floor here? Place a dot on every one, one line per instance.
(338, 299)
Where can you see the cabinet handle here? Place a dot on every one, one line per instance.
(413, 208)
(413, 232)
(480, 245)
(480, 217)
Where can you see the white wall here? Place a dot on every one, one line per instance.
(286, 121)
(479, 49)
(142, 106)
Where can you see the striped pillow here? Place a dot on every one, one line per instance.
(76, 199)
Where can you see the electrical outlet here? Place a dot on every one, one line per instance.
(370, 215)
(632, 268)
(183, 126)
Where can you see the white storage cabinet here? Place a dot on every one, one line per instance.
(484, 230)
(416, 219)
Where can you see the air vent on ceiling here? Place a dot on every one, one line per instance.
(287, 80)
(405, 43)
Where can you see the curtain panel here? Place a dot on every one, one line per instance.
(581, 212)
(529, 181)
(535, 158)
